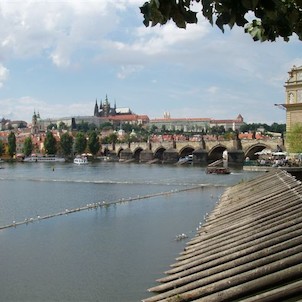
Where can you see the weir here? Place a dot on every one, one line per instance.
(95, 205)
(249, 248)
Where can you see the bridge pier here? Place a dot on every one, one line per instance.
(145, 156)
(236, 157)
(200, 156)
(170, 156)
(126, 154)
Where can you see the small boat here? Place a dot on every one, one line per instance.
(43, 158)
(80, 160)
(217, 170)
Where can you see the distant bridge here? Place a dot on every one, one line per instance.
(203, 151)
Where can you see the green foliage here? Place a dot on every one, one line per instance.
(93, 143)
(28, 146)
(85, 127)
(66, 143)
(11, 144)
(50, 144)
(80, 143)
(111, 138)
(1, 148)
(52, 126)
(275, 127)
(106, 126)
(271, 18)
(217, 130)
(294, 138)
(62, 126)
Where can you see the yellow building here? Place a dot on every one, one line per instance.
(293, 102)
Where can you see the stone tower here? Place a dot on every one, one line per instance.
(293, 102)
(34, 124)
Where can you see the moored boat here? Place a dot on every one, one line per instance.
(43, 158)
(217, 170)
(80, 160)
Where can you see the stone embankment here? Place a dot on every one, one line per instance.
(249, 248)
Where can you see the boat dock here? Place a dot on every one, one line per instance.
(249, 248)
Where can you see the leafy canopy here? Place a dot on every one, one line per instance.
(12, 144)
(28, 146)
(80, 143)
(270, 18)
(93, 143)
(50, 143)
(66, 143)
(294, 138)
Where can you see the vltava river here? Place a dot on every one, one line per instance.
(112, 253)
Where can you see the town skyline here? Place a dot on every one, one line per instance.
(58, 58)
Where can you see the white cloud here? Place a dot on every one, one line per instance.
(24, 107)
(212, 89)
(31, 28)
(4, 72)
(125, 71)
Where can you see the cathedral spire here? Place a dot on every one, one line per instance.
(96, 108)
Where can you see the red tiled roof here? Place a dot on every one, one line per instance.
(128, 117)
(180, 119)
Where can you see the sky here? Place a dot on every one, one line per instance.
(58, 57)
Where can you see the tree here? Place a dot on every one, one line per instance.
(106, 126)
(66, 143)
(80, 143)
(1, 148)
(62, 126)
(28, 146)
(11, 144)
(84, 126)
(294, 138)
(271, 18)
(93, 143)
(52, 126)
(50, 144)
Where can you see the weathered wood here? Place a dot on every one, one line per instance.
(249, 248)
(278, 294)
(262, 241)
(228, 269)
(265, 282)
(229, 287)
(242, 230)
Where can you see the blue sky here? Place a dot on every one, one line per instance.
(58, 57)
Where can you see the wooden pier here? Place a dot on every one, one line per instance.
(249, 248)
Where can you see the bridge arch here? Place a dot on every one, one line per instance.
(136, 153)
(216, 152)
(159, 153)
(250, 152)
(186, 150)
(106, 151)
(118, 153)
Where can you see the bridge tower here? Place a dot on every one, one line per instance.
(293, 102)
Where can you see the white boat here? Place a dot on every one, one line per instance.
(43, 158)
(80, 160)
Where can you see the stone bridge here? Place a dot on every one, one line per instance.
(203, 152)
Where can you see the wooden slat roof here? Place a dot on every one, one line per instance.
(249, 248)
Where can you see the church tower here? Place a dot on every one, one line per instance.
(96, 108)
(106, 107)
(34, 124)
(293, 102)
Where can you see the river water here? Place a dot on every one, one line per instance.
(111, 253)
